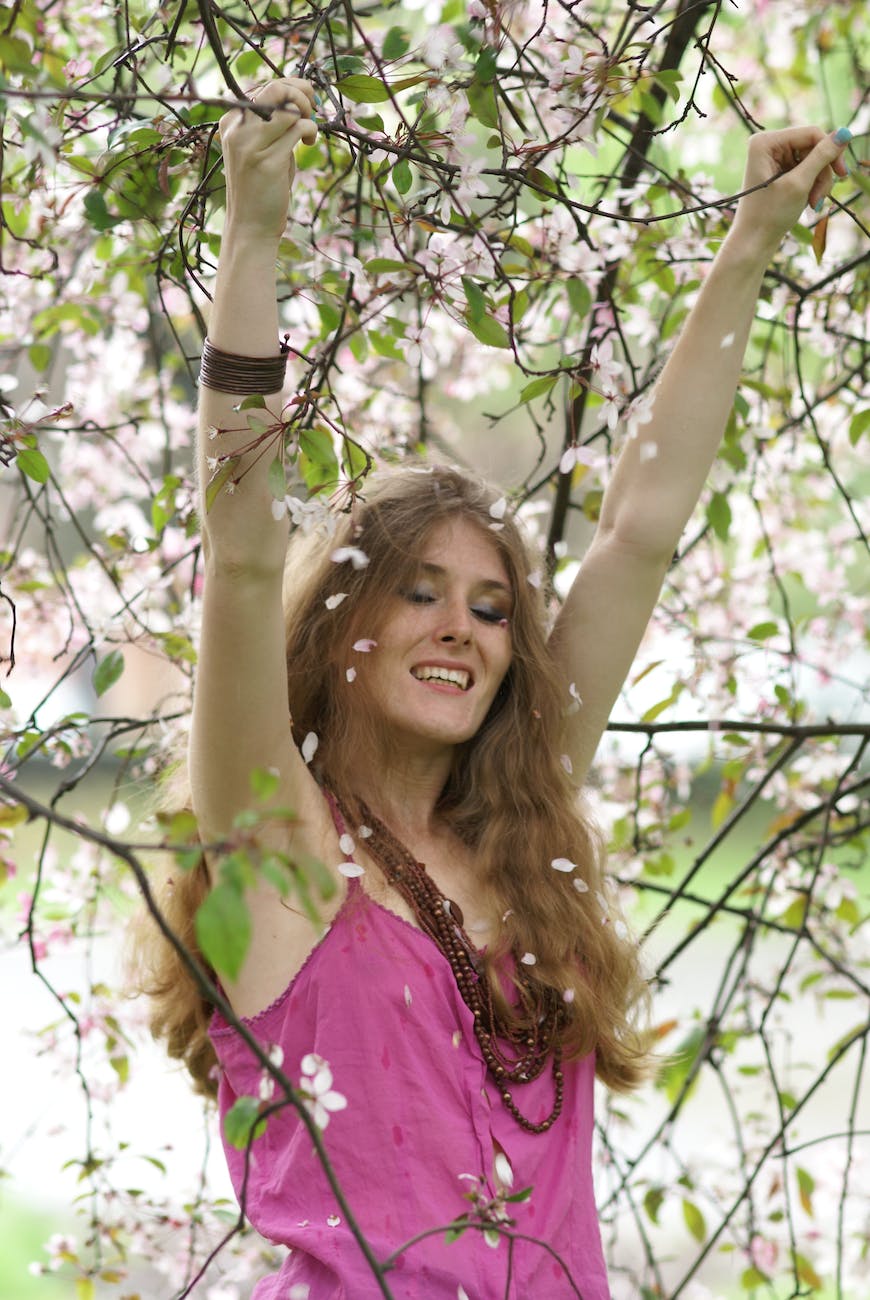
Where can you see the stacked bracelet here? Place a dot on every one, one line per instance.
(226, 372)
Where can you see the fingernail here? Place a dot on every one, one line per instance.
(817, 207)
(842, 136)
(317, 100)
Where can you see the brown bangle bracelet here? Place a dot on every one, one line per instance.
(227, 372)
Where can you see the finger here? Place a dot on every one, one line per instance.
(816, 171)
(287, 90)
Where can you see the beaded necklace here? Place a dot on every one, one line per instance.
(532, 1035)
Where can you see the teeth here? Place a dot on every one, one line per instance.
(457, 676)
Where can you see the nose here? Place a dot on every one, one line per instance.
(456, 627)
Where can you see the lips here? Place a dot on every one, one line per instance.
(459, 677)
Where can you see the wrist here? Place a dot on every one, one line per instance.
(748, 249)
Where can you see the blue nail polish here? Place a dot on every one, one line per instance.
(817, 207)
(842, 136)
(317, 100)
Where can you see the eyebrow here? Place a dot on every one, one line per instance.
(490, 584)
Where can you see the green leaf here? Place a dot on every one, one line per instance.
(215, 484)
(761, 631)
(242, 1123)
(256, 402)
(752, 1277)
(719, 515)
(32, 463)
(858, 425)
(107, 671)
(97, 213)
(579, 297)
(653, 712)
(223, 930)
(39, 355)
(402, 176)
(694, 1220)
(264, 782)
(476, 299)
(489, 331)
(362, 89)
(5, 701)
(379, 265)
(806, 1187)
(277, 479)
(396, 43)
(482, 103)
(486, 66)
(536, 387)
(652, 1203)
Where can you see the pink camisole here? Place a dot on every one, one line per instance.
(379, 1002)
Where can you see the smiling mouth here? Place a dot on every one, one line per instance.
(452, 676)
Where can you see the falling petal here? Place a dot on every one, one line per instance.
(333, 602)
(299, 1291)
(461, 1293)
(535, 578)
(503, 1170)
(408, 998)
(351, 870)
(334, 1220)
(358, 558)
(498, 508)
(727, 341)
(621, 929)
(309, 746)
(563, 864)
(568, 995)
(365, 645)
(279, 510)
(648, 451)
(528, 959)
(346, 844)
(365, 832)
(350, 674)
(568, 461)
(565, 760)
(580, 885)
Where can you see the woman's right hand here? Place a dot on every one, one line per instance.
(258, 155)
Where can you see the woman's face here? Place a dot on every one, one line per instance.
(445, 645)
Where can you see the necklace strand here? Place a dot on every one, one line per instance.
(516, 1048)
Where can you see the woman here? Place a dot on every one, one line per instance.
(461, 1009)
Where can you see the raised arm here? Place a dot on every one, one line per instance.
(240, 714)
(660, 473)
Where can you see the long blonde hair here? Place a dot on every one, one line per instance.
(507, 796)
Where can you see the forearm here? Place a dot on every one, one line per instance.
(243, 321)
(661, 471)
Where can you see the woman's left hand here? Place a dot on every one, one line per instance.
(796, 168)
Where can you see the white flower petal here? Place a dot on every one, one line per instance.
(346, 844)
(498, 508)
(408, 998)
(568, 995)
(528, 959)
(580, 885)
(309, 746)
(568, 461)
(503, 1170)
(727, 341)
(350, 674)
(351, 870)
(333, 602)
(334, 1220)
(358, 558)
(310, 1064)
(364, 645)
(565, 760)
(563, 864)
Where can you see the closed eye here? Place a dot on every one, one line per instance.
(418, 597)
(487, 614)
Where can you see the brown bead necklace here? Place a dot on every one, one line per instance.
(515, 1048)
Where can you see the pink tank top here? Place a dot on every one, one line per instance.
(378, 1001)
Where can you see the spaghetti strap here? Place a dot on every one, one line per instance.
(337, 819)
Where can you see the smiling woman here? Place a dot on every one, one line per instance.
(468, 975)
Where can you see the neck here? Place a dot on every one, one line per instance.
(405, 791)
